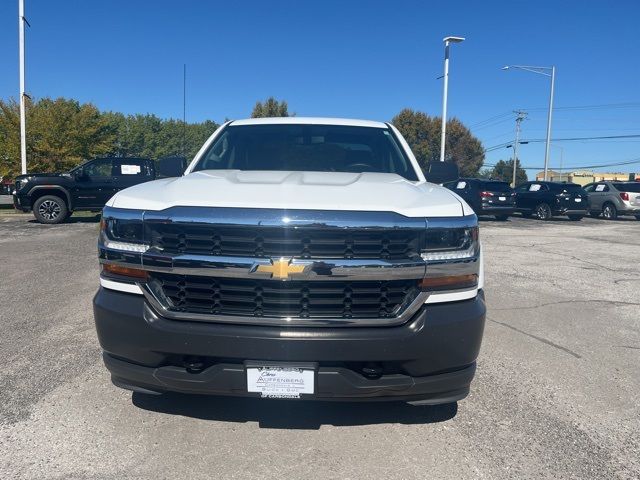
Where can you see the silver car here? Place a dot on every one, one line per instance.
(611, 199)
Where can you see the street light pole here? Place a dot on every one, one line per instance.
(547, 72)
(23, 113)
(549, 114)
(447, 42)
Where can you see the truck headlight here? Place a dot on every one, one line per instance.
(451, 251)
(21, 183)
(123, 230)
(444, 244)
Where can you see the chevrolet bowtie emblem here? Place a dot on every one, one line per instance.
(281, 268)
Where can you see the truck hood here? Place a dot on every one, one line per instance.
(295, 190)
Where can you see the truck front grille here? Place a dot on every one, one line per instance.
(265, 242)
(273, 298)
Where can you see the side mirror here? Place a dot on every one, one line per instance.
(441, 172)
(171, 166)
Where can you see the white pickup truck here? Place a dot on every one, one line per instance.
(304, 258)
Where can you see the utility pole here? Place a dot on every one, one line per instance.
(23, 112)
(520, 116)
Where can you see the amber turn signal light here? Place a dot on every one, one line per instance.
(125, 271)
(451, 282)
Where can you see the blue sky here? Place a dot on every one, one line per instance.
(348, 59)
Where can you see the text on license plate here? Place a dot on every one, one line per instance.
(280, 382)
(502, 199)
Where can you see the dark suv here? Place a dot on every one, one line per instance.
(548, 199)
(486, 197)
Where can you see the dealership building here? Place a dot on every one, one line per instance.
(583, 177)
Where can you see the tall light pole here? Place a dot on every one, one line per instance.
(447, 41)
(547, 72)
(23, 114)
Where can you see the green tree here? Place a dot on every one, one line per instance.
(270, 108)
(152, 137)
(9, 138)
(63, 132)
(422, 132)
(60, 134)
(503, 170)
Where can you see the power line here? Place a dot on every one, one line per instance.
(540, 140)
(574, 167)
(492, 124)
(567, 139)
(573, 139)
(491, 119)
(604, 106)
(502, 117)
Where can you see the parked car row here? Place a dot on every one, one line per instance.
(544, 200)
(53, 197)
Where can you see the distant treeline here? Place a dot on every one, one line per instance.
(63, 132)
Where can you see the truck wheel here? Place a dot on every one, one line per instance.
(575, 218)
(502, 218)
(543, 212)
(50, 209)
(609, 211)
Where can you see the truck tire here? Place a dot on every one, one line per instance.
(543, 212)
(609, 211)
(50, 209)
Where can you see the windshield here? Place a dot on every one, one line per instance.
(628, 187)
(314, 148)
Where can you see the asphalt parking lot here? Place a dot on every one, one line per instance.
(556, 393)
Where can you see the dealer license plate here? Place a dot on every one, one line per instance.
(502, 199)
(280, 382)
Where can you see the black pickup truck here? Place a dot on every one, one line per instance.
(53, 197)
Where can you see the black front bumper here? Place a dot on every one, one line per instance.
(21, 202)
(430, 359)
